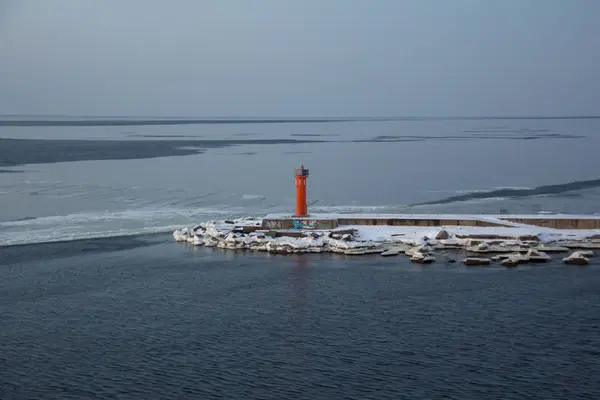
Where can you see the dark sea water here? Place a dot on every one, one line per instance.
(111, 309)
(140, 318)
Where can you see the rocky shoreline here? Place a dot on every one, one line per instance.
(481, 249)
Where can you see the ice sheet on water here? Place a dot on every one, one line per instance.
(252, 197)
(88, 225)
(355, 209)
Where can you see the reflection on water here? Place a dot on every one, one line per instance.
(299, 277)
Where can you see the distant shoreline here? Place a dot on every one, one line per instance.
(15, 120)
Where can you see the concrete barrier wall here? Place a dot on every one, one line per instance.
(327, 223)
(289, 223)
(559, 223)
(556, 223)
(277, 223)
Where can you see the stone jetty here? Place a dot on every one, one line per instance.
(507, 240)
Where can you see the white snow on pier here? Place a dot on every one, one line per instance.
(248, 233)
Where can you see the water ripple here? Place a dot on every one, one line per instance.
(154, 321)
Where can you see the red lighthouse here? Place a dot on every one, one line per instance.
(301, 207)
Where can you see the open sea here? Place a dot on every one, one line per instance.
(97, 301)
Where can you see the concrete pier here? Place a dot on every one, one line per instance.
(332, 221)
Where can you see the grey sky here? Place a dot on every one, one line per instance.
(300, 58)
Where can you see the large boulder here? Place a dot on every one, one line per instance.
(549, 248)
(421, 258)
(576, 259)
(347, 237)
(511, 262)
(490, 248)
(514, 259)
(537, 256)
(390, 253)
(442, 235)
(476, 261)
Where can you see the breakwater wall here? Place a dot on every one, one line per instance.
(591, 222)
(318, 221)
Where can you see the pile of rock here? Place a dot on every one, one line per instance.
(516, 258)
(247, 233)
(421, 254)
(233, 238)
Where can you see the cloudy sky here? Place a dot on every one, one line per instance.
(300, 57)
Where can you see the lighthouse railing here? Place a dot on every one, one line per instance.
(300, 172)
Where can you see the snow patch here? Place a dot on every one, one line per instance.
(252, 197)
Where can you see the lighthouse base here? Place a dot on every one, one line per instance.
(300, 222)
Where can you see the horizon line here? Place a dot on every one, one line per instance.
(363, 117)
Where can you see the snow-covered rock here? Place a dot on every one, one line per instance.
(537, 256)
(576, 258)
(490, 248)
(197, 240)
(422, 258)
(476, 261)
(180, 235)
(390, 252)
(247, 233)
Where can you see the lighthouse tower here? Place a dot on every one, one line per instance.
(301, 175)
